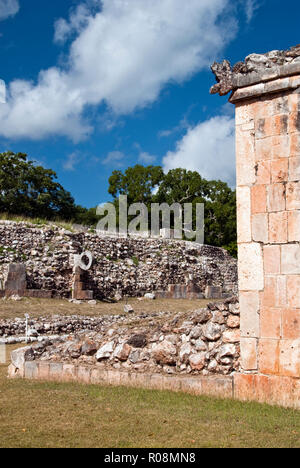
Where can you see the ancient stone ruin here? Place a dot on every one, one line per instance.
(16, 284)
(207, 341)
(123, 267)
(266, 93)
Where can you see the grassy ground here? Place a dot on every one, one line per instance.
(34, 414)
(39, 222)
(47, 307)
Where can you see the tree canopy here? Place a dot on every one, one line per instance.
(150, 185)
(137, 182)
(32, 190)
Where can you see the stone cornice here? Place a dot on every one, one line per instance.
(257, 69)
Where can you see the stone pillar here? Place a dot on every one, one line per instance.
(78, 286)
(268, 205)
(16, 280)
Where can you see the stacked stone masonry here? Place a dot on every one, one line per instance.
(200, 342)
(268, 194)
(216, 386)
(268, 204)
(129, 267)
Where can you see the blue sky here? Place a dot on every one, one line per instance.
(94, 86)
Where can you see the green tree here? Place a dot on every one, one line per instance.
(182, 186)
(136, 182)
(87, 217)
(31, 190)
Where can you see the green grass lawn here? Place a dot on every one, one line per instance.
(34, 414)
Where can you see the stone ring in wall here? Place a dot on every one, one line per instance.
(79, 260)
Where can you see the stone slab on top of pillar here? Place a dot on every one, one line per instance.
(265, 90)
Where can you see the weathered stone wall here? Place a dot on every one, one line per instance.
(202, 342)
(195, 355)
(268, 200)
(131, 266)
(215, 386)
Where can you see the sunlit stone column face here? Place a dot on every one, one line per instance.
(268, 204)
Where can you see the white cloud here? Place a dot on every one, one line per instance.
(8, 8)
(114, 158)
(123, 55)
(78, 21)
(2, 92)
(183, 124)
(146, 158)
(72, 160)
(250, 8)
(208, 148)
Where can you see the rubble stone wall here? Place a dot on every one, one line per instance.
(201, 342)
(132, 267)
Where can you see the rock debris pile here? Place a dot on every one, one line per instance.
(205, 341)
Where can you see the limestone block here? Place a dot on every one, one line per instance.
(84, 374)
(293, 196)
(232, 336)
(293, 291)
(294, 169)
(277, 85)
(248, 354)
(272, 259)
(263, 172)
(276, 197)
(289, 358)
(20, 356)
(258, 199)
(263, 148)
(43, 370)
(275, 294)
(294, 145)
(16, 280)
(219, 387)
(283, 391)
(56, 371)
(213, 292)
(250, 266)
(278, 227)
(197, 361)
(270, 323)
(244, 113)
(294, 122)
(249, 306)
(244, 214)
(269, 356)
(279, 170)
(291, 321)
(245, 157)
(260, 227)
(31, 370)
(280, 146)
(290, 259)
(98, 376)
